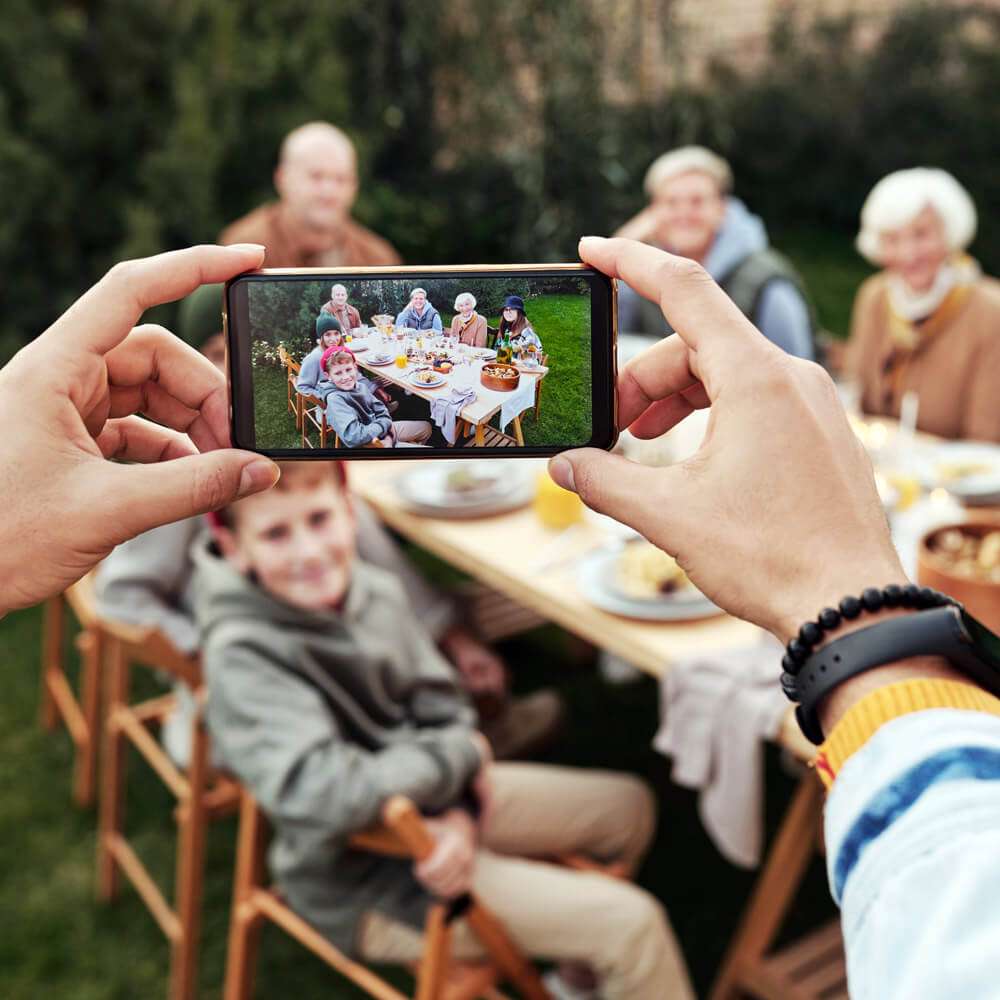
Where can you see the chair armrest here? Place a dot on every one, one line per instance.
(401, 834)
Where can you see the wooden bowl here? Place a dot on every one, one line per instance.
(936, 569)
(499, 384)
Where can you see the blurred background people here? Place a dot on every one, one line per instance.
(147, 581)
(310, 224)
(929, 321)
(691, 212)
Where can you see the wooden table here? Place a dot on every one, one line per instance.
(478, 413)
(508, 552)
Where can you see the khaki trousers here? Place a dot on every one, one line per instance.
(557, 913)
(411, 432)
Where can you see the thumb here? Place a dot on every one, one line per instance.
(147, 496)
(640, 496)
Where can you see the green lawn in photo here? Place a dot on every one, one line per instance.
(562, 322)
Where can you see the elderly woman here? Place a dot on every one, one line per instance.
(692, 213)
(929, 322)
(468, 326)
(419, 314)
(338, 307)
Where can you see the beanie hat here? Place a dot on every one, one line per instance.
(330, 352)
(325, 322)
(200, 315)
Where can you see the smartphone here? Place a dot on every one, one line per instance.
(445, 362)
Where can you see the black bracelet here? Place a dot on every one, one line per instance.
(871, 600)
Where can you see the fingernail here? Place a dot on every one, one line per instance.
(561, 472)
(590, 239)
(248, 246)
(260, 474)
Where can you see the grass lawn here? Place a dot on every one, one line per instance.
(563, 324)
(59, 943)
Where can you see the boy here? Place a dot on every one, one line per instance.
(357, 414)
(326, 697)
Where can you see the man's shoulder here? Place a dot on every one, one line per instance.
(368, 249)
(254, 227)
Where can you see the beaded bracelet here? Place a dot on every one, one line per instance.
(871, 600)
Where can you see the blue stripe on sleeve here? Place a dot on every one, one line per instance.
(954, 764)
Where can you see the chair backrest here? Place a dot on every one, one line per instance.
(285, 358)
(491, 335)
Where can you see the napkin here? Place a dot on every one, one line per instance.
(445, 411)
(717, 710)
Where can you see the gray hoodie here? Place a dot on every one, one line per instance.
(357, 415)
(323, 716)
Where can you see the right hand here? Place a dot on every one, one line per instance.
(776, 516)
(447, 872)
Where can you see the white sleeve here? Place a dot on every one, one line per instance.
(913, 855)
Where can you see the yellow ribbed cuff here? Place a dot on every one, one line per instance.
(859, 722)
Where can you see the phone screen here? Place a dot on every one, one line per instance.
(455, 362)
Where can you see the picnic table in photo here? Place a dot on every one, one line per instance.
(476, 414)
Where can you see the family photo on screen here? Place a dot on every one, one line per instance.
(444, 363)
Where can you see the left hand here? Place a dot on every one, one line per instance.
(67, 404)
(481, 670)
(448, 871)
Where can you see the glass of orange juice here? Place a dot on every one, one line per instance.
(556, 508)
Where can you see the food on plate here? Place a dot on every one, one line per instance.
(968, 554)
(500, 371)
(643, 571)
(948, 472)
(426, 377)
(468, 482)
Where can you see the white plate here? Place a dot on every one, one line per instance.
(424, 490)
(974, 453)
(595, 572)
(357, 346)
(484, 354)
(427, 385)
(376, 360)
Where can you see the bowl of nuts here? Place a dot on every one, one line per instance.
(503, 378)
(963, 561)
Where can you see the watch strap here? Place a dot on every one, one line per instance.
(934, 632)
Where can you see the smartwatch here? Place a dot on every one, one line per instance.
(949, 631)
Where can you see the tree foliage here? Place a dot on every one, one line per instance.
(486, 132)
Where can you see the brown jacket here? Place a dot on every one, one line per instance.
(347, 315)
(355, 246)
(955, 372)
(474, 334)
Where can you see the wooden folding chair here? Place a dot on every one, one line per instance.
(80, 715)
(201, 795)
(312, 412)
(292, 369)
(812, 967)
(402, 834)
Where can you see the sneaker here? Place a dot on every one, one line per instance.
(559, 989)
(526, 725)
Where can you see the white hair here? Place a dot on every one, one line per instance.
(686, 160)
(901, 196)
(465, 297)
(338, 288)
(418, 291)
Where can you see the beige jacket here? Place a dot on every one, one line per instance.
(355, 246)
(955, 372)
(474, 334)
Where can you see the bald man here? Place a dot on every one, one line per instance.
(310, 224)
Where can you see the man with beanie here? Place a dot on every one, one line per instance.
(310, 224)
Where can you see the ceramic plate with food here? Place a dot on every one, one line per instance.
(475, 489)
(381, 359)
(636, 580)
(426, 378)
(967, 469)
